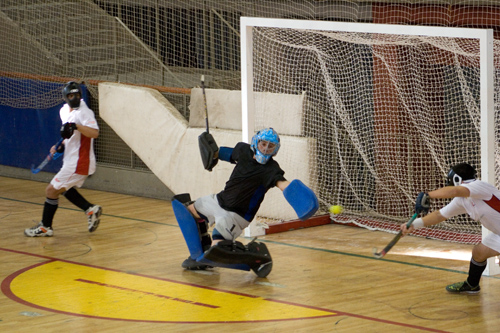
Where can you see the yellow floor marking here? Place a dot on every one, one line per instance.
(90, 291)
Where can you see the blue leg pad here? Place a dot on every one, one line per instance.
(302, 199)
(189, 229)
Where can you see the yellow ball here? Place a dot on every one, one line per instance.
(336, 209)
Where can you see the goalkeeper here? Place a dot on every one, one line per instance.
(477, 198)
(232, 209)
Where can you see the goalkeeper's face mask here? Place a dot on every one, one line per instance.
(265, 150)
(266, 147)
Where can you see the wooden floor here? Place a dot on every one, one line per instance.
(126, 277)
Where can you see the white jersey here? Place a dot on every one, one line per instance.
(483, 205)
(79, 155)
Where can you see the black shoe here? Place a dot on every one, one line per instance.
(193, 265)
(463, 288)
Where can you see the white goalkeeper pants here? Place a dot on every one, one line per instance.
(229, 224)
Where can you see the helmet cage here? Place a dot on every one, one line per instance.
(75, 89)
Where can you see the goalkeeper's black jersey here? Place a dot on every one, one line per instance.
(249, 182)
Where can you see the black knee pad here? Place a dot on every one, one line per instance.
(183, 198)
(206, 240)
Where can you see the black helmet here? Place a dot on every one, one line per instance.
(72, 88)
(460, 172)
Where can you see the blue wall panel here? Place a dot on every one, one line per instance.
(26, 135)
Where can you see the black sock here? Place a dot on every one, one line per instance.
(76, 199)
(476, 269)
(49, 210)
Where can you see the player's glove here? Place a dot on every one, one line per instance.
(60, 149)
(423, 203)
(67, 130)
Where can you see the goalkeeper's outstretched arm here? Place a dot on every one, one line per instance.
(282, 184)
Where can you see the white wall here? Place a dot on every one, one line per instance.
(162, 138)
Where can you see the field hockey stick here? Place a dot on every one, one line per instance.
(47, 159)
(204, 101)
(206, 142)
(393, 242)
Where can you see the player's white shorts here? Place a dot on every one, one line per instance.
(492, 241)
(67, 179)
(229, 224)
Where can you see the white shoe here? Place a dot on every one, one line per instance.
(39, 231)
(94, 217)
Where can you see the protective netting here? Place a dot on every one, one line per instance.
(390, 115)
(170, 43)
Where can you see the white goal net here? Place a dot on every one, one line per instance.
(390, 109)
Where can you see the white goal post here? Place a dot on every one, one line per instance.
(485, 40)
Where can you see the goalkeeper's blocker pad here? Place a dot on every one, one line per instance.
(208, 149)
(302, 199)
(189, 229)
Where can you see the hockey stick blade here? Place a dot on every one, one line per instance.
(393, 242)
(41, 166)
(47, 159)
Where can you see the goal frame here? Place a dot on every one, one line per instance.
(485, 37)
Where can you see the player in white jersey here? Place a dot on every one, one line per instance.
(477, 198)
(78, 131)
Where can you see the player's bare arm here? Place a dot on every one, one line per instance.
(422, 206)
(433, 218)
(88, 131)
(450, 192)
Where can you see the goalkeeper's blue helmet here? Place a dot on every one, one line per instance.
(265, 144)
